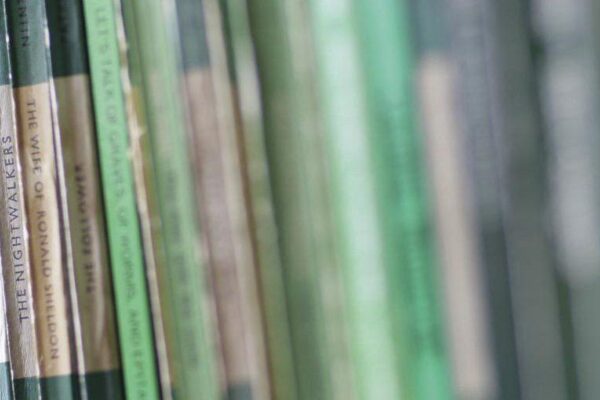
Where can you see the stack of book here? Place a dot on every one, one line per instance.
(299, 199)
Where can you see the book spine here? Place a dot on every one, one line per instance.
(147, 204)
(568, 60)
(100, 364)
(471, 52)
(106, 49)
(181, 277)
(516, 128)
(234, 67)
(412, 268)
(16, 274)
(293, 139)
(468, 333)
(7, 103)
(358, 230)
(222, 208)
(35, 108)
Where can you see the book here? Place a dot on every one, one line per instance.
(303, 213)
(8, 128)
(358, 230)
(468, 326)
(107, 57)
(6, 381)
(470, 50)
(232, 52)
(222, 207)
(532, 264)
(567, 59)
(47, 223)
(403, 195)
(94, 309)
(180, 271)
(16, 267)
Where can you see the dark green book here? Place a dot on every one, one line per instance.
(44, 197)
(91, 287)
(16, 273)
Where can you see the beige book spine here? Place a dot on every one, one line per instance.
(88, 236)
(44, 223)
(15, 250)
(468, 334)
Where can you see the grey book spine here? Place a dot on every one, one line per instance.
(516, 130)
(569, 83)
(470, 48)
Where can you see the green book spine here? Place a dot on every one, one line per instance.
(106, 49)
(385, 31)
(222, 207)
(100, 359)
(359, 233)
(294, 140)
(16, 274)
(240, 61)
(43, 197)
(181, 278)
(148, 209)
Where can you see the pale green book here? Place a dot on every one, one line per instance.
(359, 232)
(303, 208)
(110, 91)
(181, 274)
(388, 62)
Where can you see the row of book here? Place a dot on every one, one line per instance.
(299, 199)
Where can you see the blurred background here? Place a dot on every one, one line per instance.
(433, 171)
